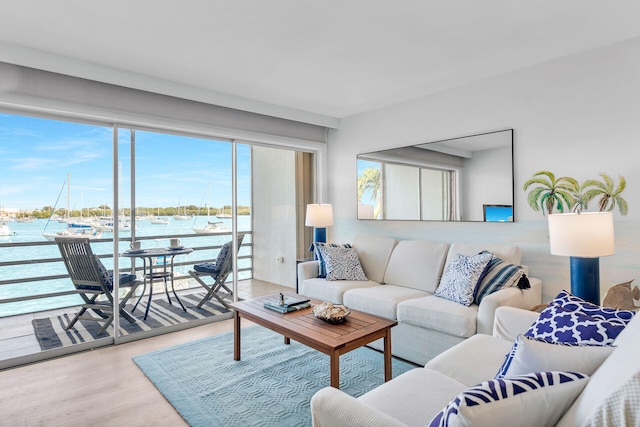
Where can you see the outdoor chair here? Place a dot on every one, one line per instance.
(218, 270)
(92, 280)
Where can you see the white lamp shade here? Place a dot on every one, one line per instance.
(584, 235)
(319, 215)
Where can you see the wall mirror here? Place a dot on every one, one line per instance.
(469, 178)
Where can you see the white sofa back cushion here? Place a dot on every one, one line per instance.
(373, 253)
(508, 253)
(416, 264)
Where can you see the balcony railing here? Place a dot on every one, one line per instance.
(47, 274)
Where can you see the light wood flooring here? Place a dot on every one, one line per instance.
(101, 387)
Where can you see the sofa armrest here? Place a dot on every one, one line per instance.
(511, 297)
(331, 407)
(307, 270)
(511, 322)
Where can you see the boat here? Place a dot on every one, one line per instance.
(25, 219)
(106, 225)
(212, 227)
(158, 220)
(75, 229)
(5, 230)
(182, 216)
(222, 214)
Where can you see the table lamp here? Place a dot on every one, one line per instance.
(319, 216)
(584, 237)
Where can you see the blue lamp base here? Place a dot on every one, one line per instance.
(320, 234)
(585, 278)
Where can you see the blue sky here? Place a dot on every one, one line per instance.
(36, 155)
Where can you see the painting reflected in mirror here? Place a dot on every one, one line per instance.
(468, 178)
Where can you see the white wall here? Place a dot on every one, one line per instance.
(577, 116)
(274, 213)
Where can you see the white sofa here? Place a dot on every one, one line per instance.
(403, 275)
(415, 397)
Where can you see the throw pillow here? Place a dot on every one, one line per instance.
(574, 303)
(530, 355)
(559, 325)
(461, 277)
(342, 263)
(322, 269)
(536, 399)
(498, 275)
(620, 408)
(569, 319)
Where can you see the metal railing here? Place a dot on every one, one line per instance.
(34, 281)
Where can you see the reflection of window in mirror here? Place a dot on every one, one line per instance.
(446, 180)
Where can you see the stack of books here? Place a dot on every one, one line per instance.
(286, 304)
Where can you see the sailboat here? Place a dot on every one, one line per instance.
(157, 220)
(222, 214)
(210, 226)
(183, 216)
(5, 230)
(73, 229)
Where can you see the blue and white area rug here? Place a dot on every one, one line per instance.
(271, 386)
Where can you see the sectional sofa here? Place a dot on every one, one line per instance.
(401, 279)
(563, 385)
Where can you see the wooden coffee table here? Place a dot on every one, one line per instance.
(334, 340)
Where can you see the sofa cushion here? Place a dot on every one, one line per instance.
(397, 398)
(439, 314)
(620, 408)
(374, 253)
(331, 291)
(380, 300)
(454, 362)
(461, 277)
(534, 399)
(341, 263)
(508, 253)
(416, 264)
(530, 355)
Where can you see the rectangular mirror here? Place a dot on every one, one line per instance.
(461, 179)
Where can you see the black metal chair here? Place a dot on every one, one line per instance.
(218, 270)
(92, 280)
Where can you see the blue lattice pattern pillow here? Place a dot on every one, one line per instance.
(322, 267)
(534, 399)
(570, 319)
(461, 277)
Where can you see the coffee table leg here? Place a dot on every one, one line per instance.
(387, 355)
(287, 340)
(236, 335)
(335, 370)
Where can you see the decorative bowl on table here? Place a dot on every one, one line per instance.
(331, 313)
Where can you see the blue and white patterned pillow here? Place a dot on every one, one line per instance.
(342, 263)
(569, 319)
(461, 277)
(498, 275)
(322, 269)
(534, 399)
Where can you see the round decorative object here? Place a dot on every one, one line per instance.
(331, 313)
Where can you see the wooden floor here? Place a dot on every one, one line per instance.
(101, 387)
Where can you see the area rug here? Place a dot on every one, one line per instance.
(51, 333)
(271, 386)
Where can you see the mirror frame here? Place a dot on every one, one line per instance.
(456, 150)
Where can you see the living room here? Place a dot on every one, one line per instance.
(573, 113)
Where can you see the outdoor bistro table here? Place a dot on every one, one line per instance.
(160, 272)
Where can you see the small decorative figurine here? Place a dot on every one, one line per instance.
(281, 298)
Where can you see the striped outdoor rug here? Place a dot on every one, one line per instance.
(51, 334)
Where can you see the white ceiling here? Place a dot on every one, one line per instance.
(315, 61)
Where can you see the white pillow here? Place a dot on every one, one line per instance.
(530, 355)
(537, 399)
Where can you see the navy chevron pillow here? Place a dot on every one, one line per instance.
(525, 400)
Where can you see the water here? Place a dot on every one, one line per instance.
(32, 232)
